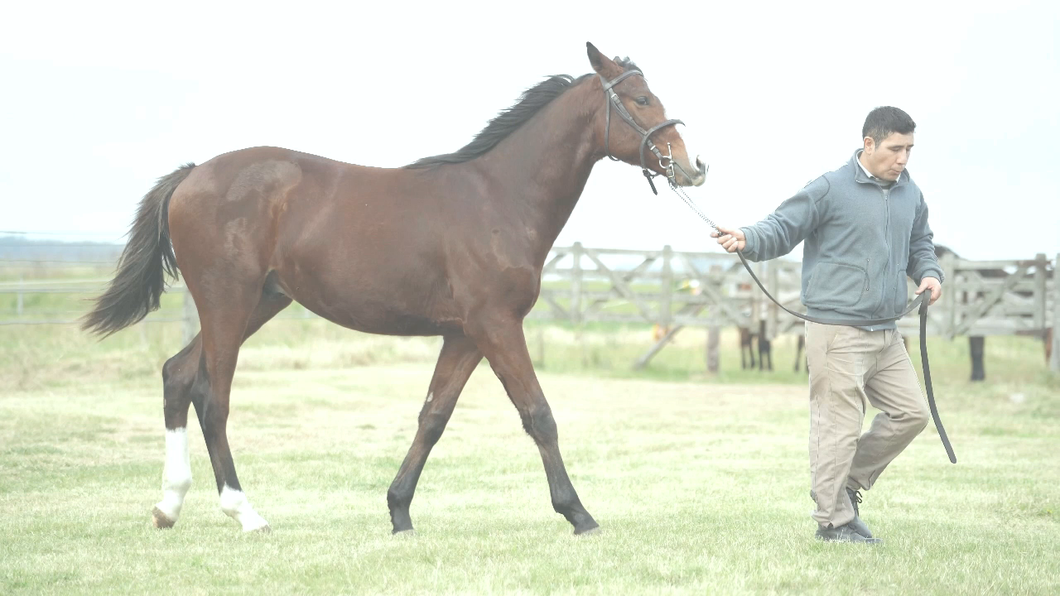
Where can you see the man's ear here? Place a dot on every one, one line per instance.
(870, 145)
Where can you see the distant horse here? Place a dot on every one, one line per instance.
(765, 348)
(748, 339)
(452, 245)
(747, 349)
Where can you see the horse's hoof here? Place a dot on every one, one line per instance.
(258, 526)
(160, 520)
(409, 533)
(588, 531)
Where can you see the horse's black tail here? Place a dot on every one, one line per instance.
(144, 264)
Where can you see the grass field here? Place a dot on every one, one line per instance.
(700, 482)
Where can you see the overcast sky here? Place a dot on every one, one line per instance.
(100, 99)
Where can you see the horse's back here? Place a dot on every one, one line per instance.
(252, 191)
(255, 173)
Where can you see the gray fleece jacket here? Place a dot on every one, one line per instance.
(861, 241)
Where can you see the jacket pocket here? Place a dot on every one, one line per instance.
(836, 285)
(901, 292)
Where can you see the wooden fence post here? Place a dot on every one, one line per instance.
(576, 284)
(191, 317)
(576, 299)
(18, 304)
(1054, 363)
(540, 348)
(756, 300)
(714, 337)
(666, 299)
(773, 316)
(1040, 297)
(949, 296)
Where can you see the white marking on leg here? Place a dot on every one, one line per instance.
(176, 477)
(235, 504)
(430, 396)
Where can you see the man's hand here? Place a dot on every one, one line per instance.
(934, 285)
(731, 239)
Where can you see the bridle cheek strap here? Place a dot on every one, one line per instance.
(666, 162)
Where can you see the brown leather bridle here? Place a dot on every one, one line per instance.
(613, 101)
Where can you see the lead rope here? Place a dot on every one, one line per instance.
(921, 301)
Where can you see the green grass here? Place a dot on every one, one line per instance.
(700, 482)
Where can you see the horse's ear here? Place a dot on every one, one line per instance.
(601, 64)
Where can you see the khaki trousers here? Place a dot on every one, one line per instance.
(850, 368)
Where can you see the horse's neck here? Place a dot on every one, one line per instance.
(549, 160)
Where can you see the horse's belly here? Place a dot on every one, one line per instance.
(368, 263)
(373, 301)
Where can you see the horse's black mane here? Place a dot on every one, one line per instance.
(510, 120)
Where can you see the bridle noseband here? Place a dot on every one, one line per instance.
(665, 161)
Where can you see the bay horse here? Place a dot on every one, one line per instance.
(452, 245)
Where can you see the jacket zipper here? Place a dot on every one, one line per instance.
(887, 243)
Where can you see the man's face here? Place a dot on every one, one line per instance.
(889, 158)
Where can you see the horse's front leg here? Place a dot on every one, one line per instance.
(502, 342)
(456, 362)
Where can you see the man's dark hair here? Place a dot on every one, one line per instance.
(882, 122)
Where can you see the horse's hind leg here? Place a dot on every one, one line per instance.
(225, 326)
(178, 381)
(186, 380)
(457, 361)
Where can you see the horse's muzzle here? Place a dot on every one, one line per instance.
(686, 175)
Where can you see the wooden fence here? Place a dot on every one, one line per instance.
(688, 289)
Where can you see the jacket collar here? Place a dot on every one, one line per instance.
(860, 175)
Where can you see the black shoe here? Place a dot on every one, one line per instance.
(856, 524)
(844, 533)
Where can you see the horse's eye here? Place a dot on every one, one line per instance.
(642, 100)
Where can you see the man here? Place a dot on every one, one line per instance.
(865, 228)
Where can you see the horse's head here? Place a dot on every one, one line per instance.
(634, 127)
